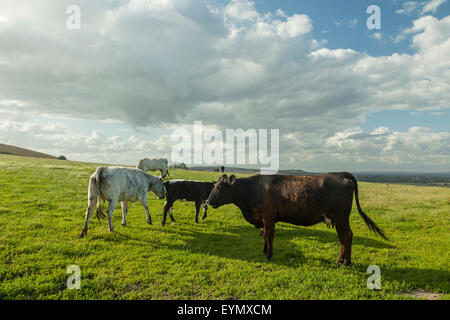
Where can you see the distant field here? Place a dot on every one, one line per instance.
(42, 208)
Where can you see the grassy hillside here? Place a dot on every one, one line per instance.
(42, 207)
(16, 151)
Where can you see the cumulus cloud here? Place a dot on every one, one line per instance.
(165, 62)
(382, 148)
(241, 10)
(58, 138)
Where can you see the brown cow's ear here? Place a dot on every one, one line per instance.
(232, 179)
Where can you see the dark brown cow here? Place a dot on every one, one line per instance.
(300, 200)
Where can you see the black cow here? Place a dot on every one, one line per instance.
(300, 200)
(188, 190)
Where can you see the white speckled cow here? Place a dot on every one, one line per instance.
(161, 164)
(115, 184)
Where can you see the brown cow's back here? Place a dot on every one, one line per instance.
(304, 200)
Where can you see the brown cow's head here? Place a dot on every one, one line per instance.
(222, 192)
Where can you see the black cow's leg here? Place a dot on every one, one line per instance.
(197, 209)
(167, 206)
(345, 238)
(171, 214)
(205, 209)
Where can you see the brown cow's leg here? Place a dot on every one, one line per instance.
(265, 241)
(269, 232)
(345, 238)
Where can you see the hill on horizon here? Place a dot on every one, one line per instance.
(17, 151)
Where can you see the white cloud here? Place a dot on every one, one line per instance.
(377, 35)
(172, 62)
(420, 7)
(409, 7)
(281, 13)
(241, 10)
(432, 6)
(348, 23)
(396, 150)
(57, 138)
(296, 25)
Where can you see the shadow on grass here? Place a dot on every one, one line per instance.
(244, 243)
(234, 240)
(418, 278)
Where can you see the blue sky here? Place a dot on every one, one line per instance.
(333, 21)
(343, 97)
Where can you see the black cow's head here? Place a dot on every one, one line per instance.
(222, 192)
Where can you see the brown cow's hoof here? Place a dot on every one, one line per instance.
(344, 262)
(149, 221)
(124, 224)
(83, 233)
(163, 224)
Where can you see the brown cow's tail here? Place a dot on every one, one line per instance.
(369, 222)
(100, 213)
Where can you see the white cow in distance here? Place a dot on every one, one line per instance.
(120, 184)
(161, 164)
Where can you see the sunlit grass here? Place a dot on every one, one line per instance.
(42, 207)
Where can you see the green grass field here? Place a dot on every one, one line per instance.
(42, 208)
